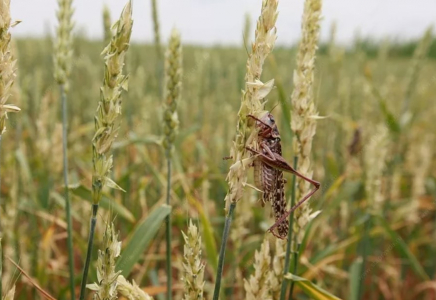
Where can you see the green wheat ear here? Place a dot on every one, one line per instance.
(304, 113)
(257, 286)
(106, 288)
(193, 267)
(63, 47)
(173, 85)
(156, 28)
(106, 120)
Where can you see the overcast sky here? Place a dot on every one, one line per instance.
(212, 22)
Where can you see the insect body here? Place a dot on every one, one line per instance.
(268, 173)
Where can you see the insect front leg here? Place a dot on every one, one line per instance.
(269, 156)
(259, 120)
(266, 132)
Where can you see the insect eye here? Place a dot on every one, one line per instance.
(271, 118)
(278, 139)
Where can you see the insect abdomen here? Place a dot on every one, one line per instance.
(258, 174)
(265, 180)
(279, 205)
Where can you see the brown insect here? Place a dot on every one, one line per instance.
(355, 146)
(269, 166)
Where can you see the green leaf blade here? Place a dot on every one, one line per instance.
(404, 250)
(311, 289)
(141, 238)
(106, 202)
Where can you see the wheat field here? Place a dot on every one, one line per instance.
(155, 155)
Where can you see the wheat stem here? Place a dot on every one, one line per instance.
(1, 136)
(67, 198)
(289, 243)
(303, 114)
(89, 251)
(173, 84)
(106, 120)
(364, 252)
(1, 268)
(251, 103)
(62, 63)
(168, 232)
(294, 271)
(1, 235)
(219, 273)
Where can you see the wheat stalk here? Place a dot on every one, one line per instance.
(251, 103)
(107, 120)
(63, 54)
(173, 84)
(303, 119)
(7, 76)
(303, 114)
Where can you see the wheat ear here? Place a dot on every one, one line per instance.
(251, 103)
(107, 120)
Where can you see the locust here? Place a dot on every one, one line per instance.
(269, 166)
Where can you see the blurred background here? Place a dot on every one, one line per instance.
(212, 22)
(373, 152)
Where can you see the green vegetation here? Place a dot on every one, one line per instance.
(373, 155)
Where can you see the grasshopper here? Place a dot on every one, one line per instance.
(269, 166)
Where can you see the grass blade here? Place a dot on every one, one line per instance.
(106, 202)
(311, 289)
(141, 238)
(207, 234)
(390, 119)
(401, 246)
(355, 278)
(32, 281)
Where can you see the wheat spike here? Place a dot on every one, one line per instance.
(304, 112)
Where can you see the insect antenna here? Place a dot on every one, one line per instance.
(274, 107)
(245, 43)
